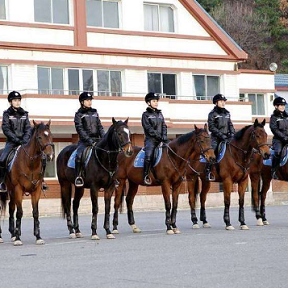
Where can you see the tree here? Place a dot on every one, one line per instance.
(209, 5)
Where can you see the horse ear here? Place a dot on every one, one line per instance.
(126, 121)
(48, 124)
(263, 122)
(113, 120)
(196, 128)
(206, 127)
(256, 123)
(35, 123)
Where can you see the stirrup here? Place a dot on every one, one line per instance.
(274, 175)
(3, 188)
(79, 182)
(210, 177)
(44, 186)
(147, 180)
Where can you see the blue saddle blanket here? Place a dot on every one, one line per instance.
(221, 153)
(139, 160)
(283, 161)
(11, 162)
(71, 161)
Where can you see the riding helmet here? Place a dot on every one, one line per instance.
(14, 95)
(151, 96)
(279, 101)
(85, 96)
(219, 97)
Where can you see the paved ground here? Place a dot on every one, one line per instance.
(196, 258)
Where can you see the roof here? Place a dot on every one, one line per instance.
(281, 80)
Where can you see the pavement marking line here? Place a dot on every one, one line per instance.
(241, 243)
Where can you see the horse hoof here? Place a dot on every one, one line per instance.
(18, 243)
(95, 237)
(176, 231)
(79, 235)
(110, 236)
(135, 229)
(266, 222)
(206, 225)
(72, 236)
(170, 232)
(260, 222)
(13, 239)
(196, 226)
(1, 240)
(244, 227)
(229, 228)
(40, 242)
(115, 231)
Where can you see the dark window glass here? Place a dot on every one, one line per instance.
(60, 12)
(169, 85)
(42, 11)
(94, 13)
(73, 81)
(43, 80)
(103, 83)
(110, 12)
(154, 82)
(2, 10)
(115, 83)
(199, 84)
(57, 81)
(88, 80)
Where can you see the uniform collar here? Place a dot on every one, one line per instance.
(220, 110)
(151, 110)
(86, 110)
(280, 114)
(19, 111)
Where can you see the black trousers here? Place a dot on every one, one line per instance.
(8, 148)
(150, 146)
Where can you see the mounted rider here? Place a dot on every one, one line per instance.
(89, 129)
(155, 131)
(279, 128)
(220, 126)
(16, 127)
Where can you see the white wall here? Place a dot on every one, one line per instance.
(256, 81)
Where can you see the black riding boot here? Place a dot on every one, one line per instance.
(146, 178)
(209, 174)
(3, 187)
(44, 185)
(79, 182)
(275, 165)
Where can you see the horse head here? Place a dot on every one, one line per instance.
(122, 136)
(44, 139)
(203, 141)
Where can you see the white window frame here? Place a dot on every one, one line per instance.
(205, 97)
(159, 20)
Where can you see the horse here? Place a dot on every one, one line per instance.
(168, 173)
(100, 172)
(233, 168)
(26, 176)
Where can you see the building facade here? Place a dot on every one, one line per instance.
(119, 50)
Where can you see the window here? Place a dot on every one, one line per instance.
(206, 87)
(258, 106)
(109, 83)
(158, 18)
(102, 13)
(162, 83)
(50, 80)
(2, 10)
(51, 11)
(80, 80)
(3, 79)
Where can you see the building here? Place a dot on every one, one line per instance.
(281, 85)
(120, 50)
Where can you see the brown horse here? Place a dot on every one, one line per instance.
(233, 168)
(168, 173)
(99, 173)
(26, 176)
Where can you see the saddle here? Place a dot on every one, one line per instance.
(139, 159)
(284, 157)
(86, 155)
(11, 158)
(221, 149)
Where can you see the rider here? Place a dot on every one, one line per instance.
(155, 131)
(89, 129)
(220, 126)
(16, 127)
(279, 128)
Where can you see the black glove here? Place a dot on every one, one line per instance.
(285, 139)
(158, 137)
(23, 142)
(165, 139)
(223, 137)
(17, 141)
(90, 142)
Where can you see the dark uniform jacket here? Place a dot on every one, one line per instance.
(16, 126)
(219, 123)
(154, 125)
(88, 125)
(279, 125)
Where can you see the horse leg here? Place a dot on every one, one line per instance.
(203, 196)
(94, 200)
(107, 197)
(255, 183)
(66, 194)
(175, 197)
(241, 191)
(35, 196)
(265, 188)
(19, 214)
(166, 196)
(227, 187)
(78, 195)
(192, 195)
(117, 202)
(11, 218)
(133, 188)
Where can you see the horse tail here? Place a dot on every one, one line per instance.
(3, 203)
(122, 198)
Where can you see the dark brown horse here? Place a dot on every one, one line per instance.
(100, 172)
(26, 176)
(168, 173)
(233, 168)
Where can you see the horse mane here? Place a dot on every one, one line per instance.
(240, 133)
(185, 137)
(108, 135)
